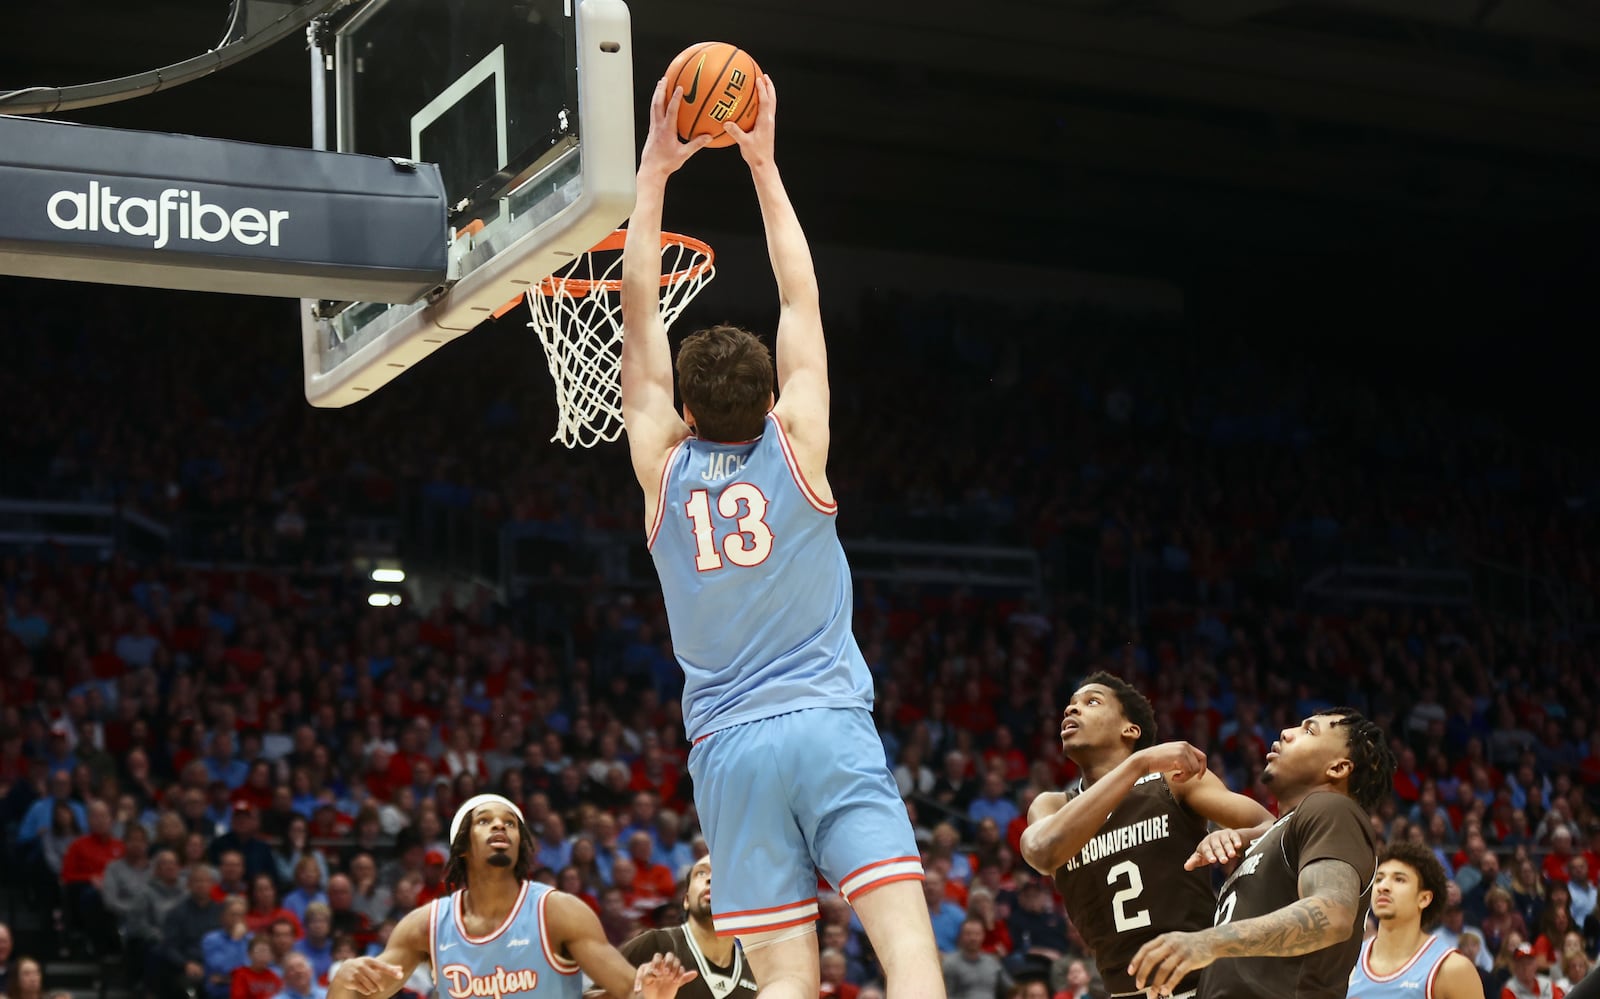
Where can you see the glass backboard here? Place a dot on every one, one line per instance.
(527, 108)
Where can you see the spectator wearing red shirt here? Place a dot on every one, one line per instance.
(432, 877)
(265, 908)
(973, 712)
(833, 985)
(1004, 755)
(1407, 778)
(652, 772)
(256, 980)
(1555, 862)
(83, 868)
(653, 884)
(996, 934)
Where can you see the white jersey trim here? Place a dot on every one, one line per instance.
(562, 965)
(511, 917)
(661, 493)
(799, 476)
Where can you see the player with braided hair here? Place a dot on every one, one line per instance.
(1302, 888)
(500, 934)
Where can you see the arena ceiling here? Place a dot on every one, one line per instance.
(1095, 131)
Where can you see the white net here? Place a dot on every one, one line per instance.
(577, 313)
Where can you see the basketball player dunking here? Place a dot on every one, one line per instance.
(1301, 889)
(499, 935)
(1117, 842)
(719, 960)
(1405, 961)
(789, 774)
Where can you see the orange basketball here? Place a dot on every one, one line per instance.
(719, 86)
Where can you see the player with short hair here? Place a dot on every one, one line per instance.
(1405, 961)
(1301, 888)
(500, 934)
(718, 959)
(1116, 843)
(789, 774)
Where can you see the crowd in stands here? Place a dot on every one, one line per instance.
(232, 779)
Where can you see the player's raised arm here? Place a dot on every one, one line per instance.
(576, 929)
(802, 353)
(1242, 818)
(1058, 828)
(652, 423)
(382, 976)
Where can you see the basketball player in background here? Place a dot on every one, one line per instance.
(789, 775)
(1301, 888)
(1116, 843)
(500, 934)
(718, 960)
(1404, 961)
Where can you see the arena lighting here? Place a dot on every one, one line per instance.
(388, 575)
(384, 599)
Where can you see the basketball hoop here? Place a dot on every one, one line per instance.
(577, 313)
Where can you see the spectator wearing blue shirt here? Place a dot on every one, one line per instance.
(37, 818)
(307, 887)
(298, 980)
(946, 916)
(993, 803)
(58, 754)
(241, 836)
(222, 765)
(317, 945)
(226, 948)
(554, 849)
(27, 624)
(671, 851)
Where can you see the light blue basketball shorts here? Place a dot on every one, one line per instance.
(783, 798)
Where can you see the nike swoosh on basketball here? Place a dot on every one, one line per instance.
(694, 85)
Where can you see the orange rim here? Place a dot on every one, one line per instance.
(583, 286)
(579, 287)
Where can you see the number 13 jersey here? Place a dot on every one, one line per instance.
(756, 585)
(1128, 886)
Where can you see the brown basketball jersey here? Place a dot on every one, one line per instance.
(1127, 885)
(1326, 825)
(737, 982)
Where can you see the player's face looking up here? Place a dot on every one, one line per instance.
(1397, 890)
(697, 900)
(495, 835)
(1094, 719)
(1315, 751)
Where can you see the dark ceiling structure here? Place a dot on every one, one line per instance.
(1107, 132)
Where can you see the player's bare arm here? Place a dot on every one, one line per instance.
(1059, 828)
(575, 929)
(1323, 916)
(653, 425)
(382, 976)
(1457, 979)
(1224, 845)
(802, 351)
(1210, 799)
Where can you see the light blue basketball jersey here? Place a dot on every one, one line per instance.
(514, 960)
(1412, 981)
(757, 589)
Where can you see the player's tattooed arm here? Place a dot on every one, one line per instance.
(1323, 916)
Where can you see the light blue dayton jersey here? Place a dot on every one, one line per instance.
(514, 960)
(757, 589)
(1413, 980)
